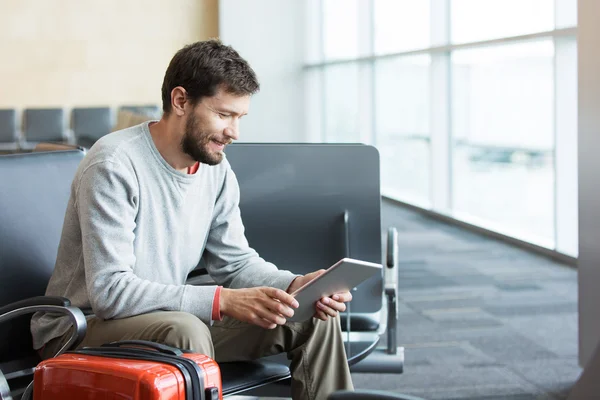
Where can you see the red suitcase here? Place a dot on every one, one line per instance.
(128, 370)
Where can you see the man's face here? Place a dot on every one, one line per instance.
(213, 124)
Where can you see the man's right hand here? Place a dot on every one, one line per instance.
(266, 307)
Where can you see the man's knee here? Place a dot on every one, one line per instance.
(188, 332)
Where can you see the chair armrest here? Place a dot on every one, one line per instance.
(36, 301)
(369, 395)
(59, 305)
(391, 264)
(391, 288)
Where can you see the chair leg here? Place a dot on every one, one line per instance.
(4, 389)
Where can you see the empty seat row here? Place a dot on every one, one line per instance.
(84, 127)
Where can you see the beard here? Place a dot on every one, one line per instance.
(195, 143)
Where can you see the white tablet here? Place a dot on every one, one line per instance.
(340, 277)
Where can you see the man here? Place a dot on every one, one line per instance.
(148, 203)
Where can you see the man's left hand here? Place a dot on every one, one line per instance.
(327, 306)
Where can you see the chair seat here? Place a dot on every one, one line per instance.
(245, 375)
(361, 322)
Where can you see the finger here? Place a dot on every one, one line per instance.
(343, 297)
(317, 273)
(268, 325)
(321, 315)
(263, 323)
(310, 276)
(337, 306)
(282, 296)
(278, 307)
(270, 316)
(329, 311)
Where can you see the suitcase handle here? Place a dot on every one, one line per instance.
(161, 348)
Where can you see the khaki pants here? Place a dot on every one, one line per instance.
(315, 347)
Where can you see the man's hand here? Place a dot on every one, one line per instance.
(266, 307)
(327, 306)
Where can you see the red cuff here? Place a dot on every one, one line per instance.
(216, 308)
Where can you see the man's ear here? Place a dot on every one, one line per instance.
(178, 100)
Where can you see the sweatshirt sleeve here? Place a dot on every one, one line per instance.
(106, 203)
(228, 257)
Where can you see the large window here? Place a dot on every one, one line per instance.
(503, 137)
(340, 29)
(341, 103)
(471, 103)
(475, 20)
(402, 126)
(401, 25)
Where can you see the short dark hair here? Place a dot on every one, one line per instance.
(202, 67)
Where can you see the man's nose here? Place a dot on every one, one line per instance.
(233, 130)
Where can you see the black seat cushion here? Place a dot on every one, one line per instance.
(245, 375)
(360, 323)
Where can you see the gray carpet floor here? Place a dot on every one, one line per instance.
(479, 319)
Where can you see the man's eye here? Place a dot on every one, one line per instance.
(223, 115)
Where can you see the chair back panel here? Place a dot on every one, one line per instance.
(45, 125)
(34, 192)
(8, 126)
(92, 123)
(293, 201)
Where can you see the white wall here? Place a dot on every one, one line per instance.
(589, 169)
(65, 53)
(270, 35)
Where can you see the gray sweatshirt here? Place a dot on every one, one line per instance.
(135, 227)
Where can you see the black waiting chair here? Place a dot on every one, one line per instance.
(43, 125)
(91, 123)
(9, 134)
(304, 207)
